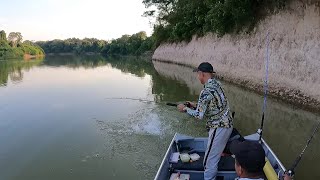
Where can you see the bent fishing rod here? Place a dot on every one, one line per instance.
(265, 88)
(298, 159)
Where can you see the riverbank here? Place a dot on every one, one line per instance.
(24, 57)
(29, 56)
(73, 54)
(240, 59)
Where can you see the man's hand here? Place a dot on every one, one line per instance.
(192, 104)
(287, 177)
(181, 107)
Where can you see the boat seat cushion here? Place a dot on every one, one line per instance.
(226, 163)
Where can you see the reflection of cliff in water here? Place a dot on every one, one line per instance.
(14, 70)
(286, 128)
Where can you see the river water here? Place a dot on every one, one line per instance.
(71, 117)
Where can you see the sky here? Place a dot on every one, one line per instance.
(60, 19)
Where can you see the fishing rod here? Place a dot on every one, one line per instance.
(188, 104)
(298, 159)
(149, 101)
(265, 88)
(135, 99)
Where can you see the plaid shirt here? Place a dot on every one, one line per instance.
(213, 106)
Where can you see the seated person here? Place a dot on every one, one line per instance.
(249, 160)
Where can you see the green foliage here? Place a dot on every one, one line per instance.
(135, 44)
(3, 36)
(180, 20)
(8, 52)
(32, 50)
(14, 48)
(15, 38)
(4, 48)
(72, 45)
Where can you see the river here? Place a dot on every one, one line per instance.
(70, 117)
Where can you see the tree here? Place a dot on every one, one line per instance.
(15, 38)
(14, 48)
(164, 8)
(180, 20)
(141, 35)
(135, 44)
(28, 42)
(3, 36)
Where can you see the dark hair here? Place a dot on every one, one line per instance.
(249, 155)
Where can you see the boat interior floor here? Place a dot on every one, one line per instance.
(226, 163)
(226, 168)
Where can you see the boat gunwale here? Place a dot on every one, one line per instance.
(166, 155)
(274, 155)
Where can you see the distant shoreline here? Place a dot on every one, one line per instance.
(72, 53)
(24, 57)
(29, 56)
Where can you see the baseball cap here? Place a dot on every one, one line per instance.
(205, 67)
(249, 154)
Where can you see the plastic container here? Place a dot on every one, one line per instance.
(185, 157)
(194, 157)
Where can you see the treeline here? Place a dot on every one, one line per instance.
(73, 45)
(179, 20)
(135, 44)
(13, 47)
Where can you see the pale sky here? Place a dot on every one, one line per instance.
(61, 19)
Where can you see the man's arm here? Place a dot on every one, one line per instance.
(204, 99)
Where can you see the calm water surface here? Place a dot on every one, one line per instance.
(68, 118)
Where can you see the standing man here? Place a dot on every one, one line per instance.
(212, 106)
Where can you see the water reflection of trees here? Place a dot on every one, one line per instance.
(75, 62)
(164, 88)
(14, 70)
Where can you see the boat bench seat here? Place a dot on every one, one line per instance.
(226, 163)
